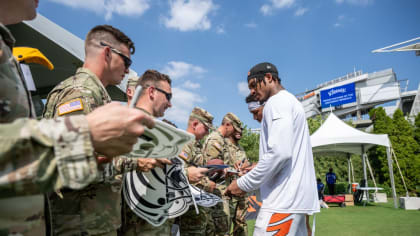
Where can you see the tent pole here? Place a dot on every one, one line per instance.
(391, 176)
(365, 172)
(352, 171)
(348, 162)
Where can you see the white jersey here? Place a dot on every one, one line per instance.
(285, 171)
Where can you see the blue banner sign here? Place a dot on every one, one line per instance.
(339, 95)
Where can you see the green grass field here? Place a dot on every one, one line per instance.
(379, 219)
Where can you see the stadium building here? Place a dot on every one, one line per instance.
(353, 95)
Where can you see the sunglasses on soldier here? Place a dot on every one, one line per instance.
(127, 61)
(167, 95)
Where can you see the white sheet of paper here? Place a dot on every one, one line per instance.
(28, 77)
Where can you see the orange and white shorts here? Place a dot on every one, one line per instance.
(280, 224)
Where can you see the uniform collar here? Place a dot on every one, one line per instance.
(7, 36)
(84, 70)
(144, 111)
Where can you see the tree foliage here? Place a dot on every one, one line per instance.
(406, 147)
(250, 142)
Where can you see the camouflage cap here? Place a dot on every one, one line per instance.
(132, 81)
(234, 120)
(202, 115)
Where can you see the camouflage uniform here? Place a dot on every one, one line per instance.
(190, 223)
(35, 156)
(136, 226)
(132, 82)
(238, 205)
(95, 210)
(215, 147)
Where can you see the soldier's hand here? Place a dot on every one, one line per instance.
(163, 161)
(114, 128)
(146, 164)
(212, 186)
(234, 190)
(103, 160)
(195, 174)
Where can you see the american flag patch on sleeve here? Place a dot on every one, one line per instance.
(70, 106)
(184, 156)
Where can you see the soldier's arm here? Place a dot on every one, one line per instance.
(213, 150)
(206, 184)
(71, 101)
(39, 156)
(124, 164)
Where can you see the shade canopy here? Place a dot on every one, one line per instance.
(336, 136)
(62, 48)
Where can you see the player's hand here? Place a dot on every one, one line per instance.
(238, 165)
(247, 169)
(234, 190)
(195, 174)
(114, 128)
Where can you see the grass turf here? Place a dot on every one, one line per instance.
(380, 219)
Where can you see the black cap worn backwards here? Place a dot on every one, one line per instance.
(261, 69)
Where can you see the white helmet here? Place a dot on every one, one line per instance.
(159, 194)
(203, 198)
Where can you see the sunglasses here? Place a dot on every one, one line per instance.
(127, 61)
(167, 95)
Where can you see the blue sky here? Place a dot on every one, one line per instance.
(208, 46)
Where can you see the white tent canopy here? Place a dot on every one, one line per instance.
(336, 136)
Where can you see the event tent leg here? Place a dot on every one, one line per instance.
(365, 173)
(348, 162)
(391, 176)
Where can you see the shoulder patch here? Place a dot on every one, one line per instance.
(70, 106)
(217, 145)
(184, 156)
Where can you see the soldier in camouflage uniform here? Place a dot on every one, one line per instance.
(199, 124)
(215, 147)
(154, 100)
(96, 209)
(238, 205)
(40, 156)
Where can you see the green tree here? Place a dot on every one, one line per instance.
(314, 123)
(406, 149)
(417, 128)
(382, 124)
(250, 141)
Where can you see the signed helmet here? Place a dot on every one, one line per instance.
(203, 198)
(159, 194)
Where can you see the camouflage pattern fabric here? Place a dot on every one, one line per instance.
(215, 147)
(238, 205)
(35, 156)
(234, 120)
(96, 209)
(142, 228)
(84, 85)
(190, 223)
(132, 81)
(203, 116)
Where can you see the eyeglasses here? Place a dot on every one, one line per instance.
(167, 95)
(127, 61)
